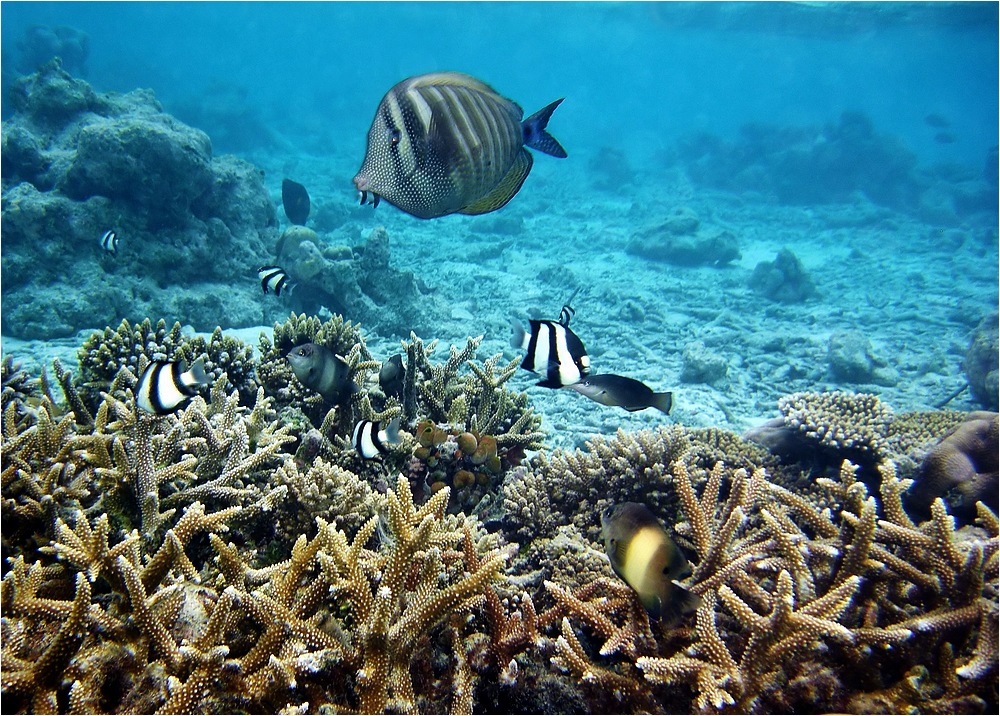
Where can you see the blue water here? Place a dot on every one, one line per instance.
(636, 75)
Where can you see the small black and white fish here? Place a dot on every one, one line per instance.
(628, 393)
(320, 369)
(274, 278)
(370, 439)
(392, 376)
(295, 201)
(165, 386)
(109, 242)
(553, 350)
(643, 553)
(445, 143)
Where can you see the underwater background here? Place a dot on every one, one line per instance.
(786, 214)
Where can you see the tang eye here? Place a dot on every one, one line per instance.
(394, 136)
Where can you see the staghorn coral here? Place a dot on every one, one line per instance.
(105, 353)
(340, 336)
(573, 487)
(804, 606)
(475, 401)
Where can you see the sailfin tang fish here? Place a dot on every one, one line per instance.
(320, 369)
(295, 201)
(646, 557)
(165, 386)
(445, 143)
(553, 350)
(370, 439)
(274, 278)
(617, 390)
(109, 242)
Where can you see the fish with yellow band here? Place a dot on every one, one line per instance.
(445, 143)
(647, 558)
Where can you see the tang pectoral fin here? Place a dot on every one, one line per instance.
(506, 189)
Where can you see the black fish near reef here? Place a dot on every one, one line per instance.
(937, 121)
(445, 143)
(274, 278)
(109, 242)
(391, 376)
(628, 393)
(164, 387)
(645, 556)
(321, 370)
(370, 439)
(553, 350)
(295, 200)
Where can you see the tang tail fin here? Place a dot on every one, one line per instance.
(535, 136)
(663, 402)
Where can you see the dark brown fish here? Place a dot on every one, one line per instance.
(295, 200)
(445, 143)
(628, 393)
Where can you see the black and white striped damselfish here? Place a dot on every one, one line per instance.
(109, 242)
(553, 351)
(165, 386)
(446, 143)
(371, 439)
(274, 278)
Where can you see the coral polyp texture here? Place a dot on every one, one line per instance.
(238, 555)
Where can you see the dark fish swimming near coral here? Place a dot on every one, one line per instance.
(392, 376)
(945, 138)
(553, 350)
(295, 200)
(445, 143)
(628, 393)
(274, 278)
(165, 386)
(370, 439)
(319, 369)
(109, 242)
(647, 558)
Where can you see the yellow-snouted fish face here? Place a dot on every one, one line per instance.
(644, 555)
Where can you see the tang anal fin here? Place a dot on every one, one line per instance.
(505, 190)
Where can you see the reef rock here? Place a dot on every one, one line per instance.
(851, 359)
(981, 363)
(784, 280)
(679, 241)
(77, 163)
(356, 281)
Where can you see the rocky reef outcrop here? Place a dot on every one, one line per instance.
(78, 163)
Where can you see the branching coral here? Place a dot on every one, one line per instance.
(798, 601)
(475, 401)
(105, 353)
(573, 486)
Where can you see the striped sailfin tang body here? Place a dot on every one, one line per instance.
(443, 143)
